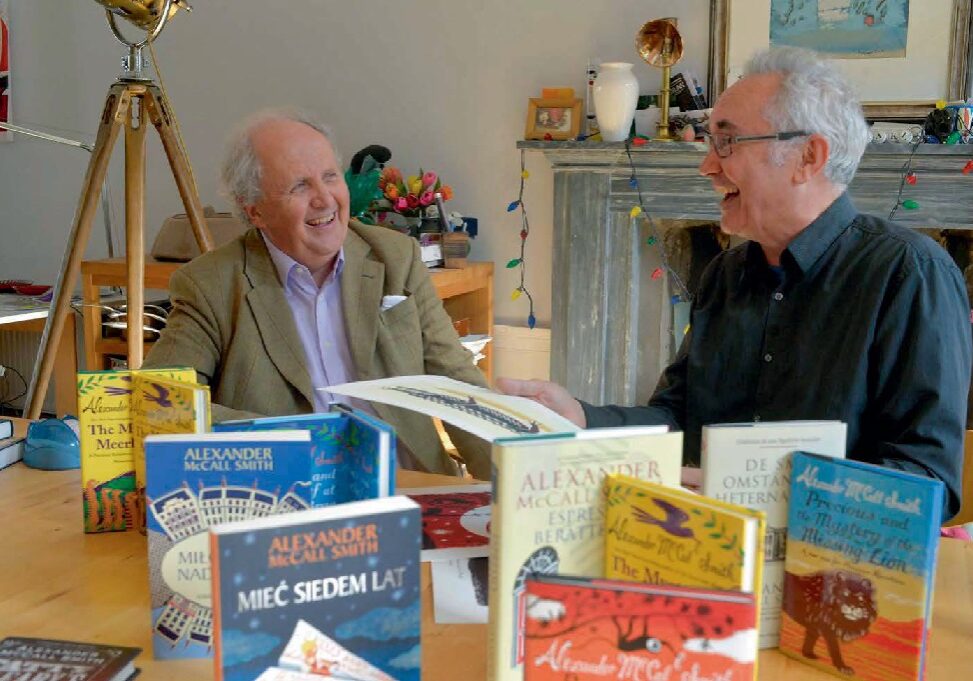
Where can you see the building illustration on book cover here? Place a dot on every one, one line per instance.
(586, 629)
(184, 502)
(860, 563)
(320, 595)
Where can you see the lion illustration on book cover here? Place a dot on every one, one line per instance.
(836, 605)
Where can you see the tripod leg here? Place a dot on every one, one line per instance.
(112, 117)
(161, 119)
(134, 227)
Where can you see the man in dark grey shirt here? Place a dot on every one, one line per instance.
(824, 313)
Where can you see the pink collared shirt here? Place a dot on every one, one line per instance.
(318, 315)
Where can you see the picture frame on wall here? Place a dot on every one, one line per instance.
(555, 119)
(896, 80)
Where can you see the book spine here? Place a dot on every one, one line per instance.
(214, 552)
(495, 622)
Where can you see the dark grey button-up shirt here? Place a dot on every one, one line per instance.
(865, 322)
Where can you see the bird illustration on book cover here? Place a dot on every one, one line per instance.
(585, 629)
(860, 561)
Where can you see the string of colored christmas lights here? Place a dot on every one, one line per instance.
(637, 211)
(908, 177)
(524, 233)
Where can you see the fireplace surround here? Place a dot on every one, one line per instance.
(611, 323)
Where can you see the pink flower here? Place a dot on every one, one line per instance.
(429, 179)
(426, 198)
(401, 204)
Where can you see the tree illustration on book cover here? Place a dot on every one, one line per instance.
(860, 563)
(584, 629)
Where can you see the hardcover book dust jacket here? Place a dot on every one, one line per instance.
(861, 559)
(750, 464)
(329, 592)
(548, 516)
(194, 483)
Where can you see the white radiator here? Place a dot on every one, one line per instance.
(18, 350)
(519, 352)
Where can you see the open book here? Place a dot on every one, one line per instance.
(480, 411)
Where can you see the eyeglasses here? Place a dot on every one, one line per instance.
(722, 143)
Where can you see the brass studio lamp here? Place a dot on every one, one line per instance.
(132, 98)
(660, 45)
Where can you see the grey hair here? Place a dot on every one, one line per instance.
(241, 171)
(816, 97)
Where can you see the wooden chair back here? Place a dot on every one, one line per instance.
(965, 514)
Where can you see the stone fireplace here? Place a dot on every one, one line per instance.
(614, 327)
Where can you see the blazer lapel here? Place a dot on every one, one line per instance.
(362, 283)
(274, 320)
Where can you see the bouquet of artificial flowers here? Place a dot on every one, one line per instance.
(409, 196)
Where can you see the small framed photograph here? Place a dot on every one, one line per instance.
(559, 118)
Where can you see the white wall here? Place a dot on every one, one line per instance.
(442, 83)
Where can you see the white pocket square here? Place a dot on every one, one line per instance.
(388, 302)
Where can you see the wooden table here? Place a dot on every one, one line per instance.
(56, 582)
(14, 317)
(467, 295)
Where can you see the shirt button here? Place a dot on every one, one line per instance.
(778, 296)
(768, 357)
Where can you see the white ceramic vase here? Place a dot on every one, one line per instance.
(616, 93)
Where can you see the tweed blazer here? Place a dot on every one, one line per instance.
(231, 322)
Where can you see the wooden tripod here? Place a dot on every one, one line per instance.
(127, 105)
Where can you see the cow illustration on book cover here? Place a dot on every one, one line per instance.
(861, 555)
(583, 628)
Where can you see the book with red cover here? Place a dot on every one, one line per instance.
(455, 520)
(588, 629)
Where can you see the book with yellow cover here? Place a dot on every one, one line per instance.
(109, 501)
(666, 535)
(547, 516)
(161, 406)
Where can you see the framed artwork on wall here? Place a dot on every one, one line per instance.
(555, 119)
(4, 68)
(903, 55)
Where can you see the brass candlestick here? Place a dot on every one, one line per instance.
(659, 44)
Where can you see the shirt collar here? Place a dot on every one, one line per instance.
(811, 243)
(286, 265)
(808, 246)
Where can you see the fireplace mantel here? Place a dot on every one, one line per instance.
(610, 321)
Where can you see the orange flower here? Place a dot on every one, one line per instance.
(391, 192)
(446, 191)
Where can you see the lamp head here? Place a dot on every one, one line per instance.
(659, 42)
(144, 13)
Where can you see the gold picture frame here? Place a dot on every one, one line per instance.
(954, 67)
(555, 119)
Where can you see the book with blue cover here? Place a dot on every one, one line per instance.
(859, 568)
(353, 453)
(328, 592)
(195, 481)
